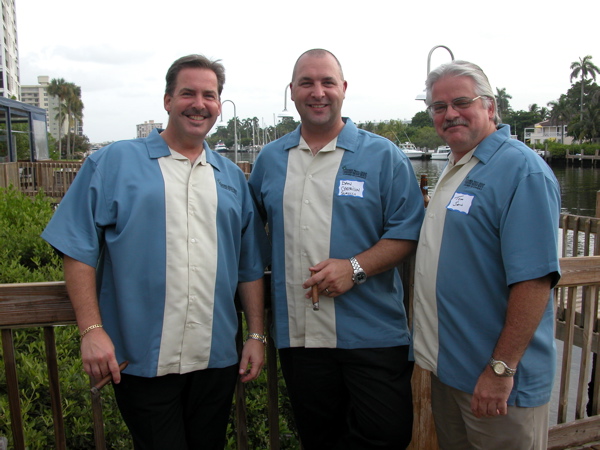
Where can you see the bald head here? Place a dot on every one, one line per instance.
(316, 53)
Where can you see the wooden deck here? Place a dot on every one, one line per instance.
(580, 157)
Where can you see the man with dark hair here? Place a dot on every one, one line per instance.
(157, 234)
(344, 205)
(486, 262)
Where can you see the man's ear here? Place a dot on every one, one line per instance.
(167, 102)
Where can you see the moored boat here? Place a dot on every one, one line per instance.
(441, 153)
(410, 150)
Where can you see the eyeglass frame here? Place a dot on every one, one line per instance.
(454, 106)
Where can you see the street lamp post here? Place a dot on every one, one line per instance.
(285, 112)
(235, 141)
(422, 95)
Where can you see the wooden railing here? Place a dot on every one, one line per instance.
(578, 325)
(51, 177)
(47, 305)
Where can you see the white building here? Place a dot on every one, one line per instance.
(547, 130)
(144, 129)
(37, 95)
(9, 58)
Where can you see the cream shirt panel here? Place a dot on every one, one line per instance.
(191, 205)
(307, 205)
(426, 334)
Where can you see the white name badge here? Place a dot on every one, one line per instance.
(461, 202)
(351, 188)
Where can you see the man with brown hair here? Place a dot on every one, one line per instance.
(157, 234)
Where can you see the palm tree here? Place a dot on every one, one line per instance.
(77, 115)
(584, 67)
(74, 105)
(58, 88)
(502, 100)
(561, 113)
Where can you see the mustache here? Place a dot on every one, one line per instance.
(197, 112)
(453, 123)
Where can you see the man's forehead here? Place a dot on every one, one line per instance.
(191, 77)
(454, 83)
(317, 63)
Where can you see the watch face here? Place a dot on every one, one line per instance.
(499, 368)
(360, 277)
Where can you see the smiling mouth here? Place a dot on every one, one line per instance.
(197, 117)
(320, 106)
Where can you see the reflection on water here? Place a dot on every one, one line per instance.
(578, 185)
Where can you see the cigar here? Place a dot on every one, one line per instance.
(104, 381)
(315, 294)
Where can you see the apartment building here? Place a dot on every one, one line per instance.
(37, 95)
(9, 59)
(144, 129)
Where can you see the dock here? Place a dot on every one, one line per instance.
(581, 157)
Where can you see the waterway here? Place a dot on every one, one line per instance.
(578, 185)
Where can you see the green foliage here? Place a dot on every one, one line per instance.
(558, 150)
(421, 119)
(75, 394)
(79, 146)
(427, 137)
(257, 420)
(24, 256)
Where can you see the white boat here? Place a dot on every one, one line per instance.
(442, 152)
(221, 147)
(410, 150)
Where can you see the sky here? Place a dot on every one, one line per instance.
(119, 51)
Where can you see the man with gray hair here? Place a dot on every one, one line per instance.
(487, 260)
(157, 234)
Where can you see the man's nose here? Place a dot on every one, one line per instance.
(198, 101)
(318, 91)
(451, 113)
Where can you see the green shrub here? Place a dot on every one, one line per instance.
(25, 257)
(558, 150)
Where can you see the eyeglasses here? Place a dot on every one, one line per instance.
(457, 103)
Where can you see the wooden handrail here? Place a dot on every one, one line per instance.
(47, 304)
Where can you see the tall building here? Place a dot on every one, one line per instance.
(37, 95)
(9, 59)
(144, 129)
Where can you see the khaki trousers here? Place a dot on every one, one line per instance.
(458, 429)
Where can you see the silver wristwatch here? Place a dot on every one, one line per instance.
(501, 369)
(359, 276)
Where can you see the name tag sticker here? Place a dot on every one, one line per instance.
(351, 188)
(461, 202)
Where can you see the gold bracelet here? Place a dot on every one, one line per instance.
(90, 328)
(258, 337)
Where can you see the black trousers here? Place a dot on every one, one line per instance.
(178, 412)
(350, 399)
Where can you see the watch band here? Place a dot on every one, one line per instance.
(358, 276)
(258, 337)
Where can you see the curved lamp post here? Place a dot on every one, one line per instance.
(285, 112)
(422, 95)
(235, 142)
